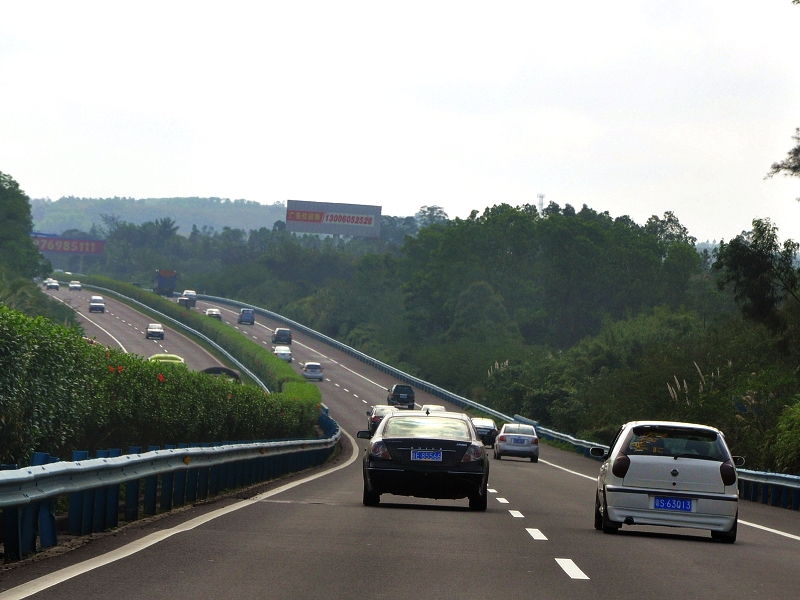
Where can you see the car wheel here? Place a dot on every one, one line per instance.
(497, 455)
(534, 459)
(728, 537)
(608, 525)
(598, 516)
(370, 498)
(479, 501)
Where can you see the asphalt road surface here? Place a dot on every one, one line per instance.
(309, 536)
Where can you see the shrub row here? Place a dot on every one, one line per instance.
(58, 394)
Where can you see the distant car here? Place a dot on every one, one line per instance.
(51, 284)
(517, 439)
(429, 408)
(154, 331)
(246, 316)
(168, 358)
(487, 430)
(283, 352)
(401, 394)
(670, 474)
(313, 370)
(75, 286)
(282, 336)
(189, 294)
(425, 456)
(189, 298)
(376, 415)
(214, 313)
(97, 304)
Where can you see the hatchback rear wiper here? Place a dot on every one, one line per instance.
(698, 456)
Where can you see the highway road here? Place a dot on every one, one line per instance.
(309, 536)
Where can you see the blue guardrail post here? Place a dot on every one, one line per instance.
(47, 518)
(112, 497)
(75, 515)
(132, 492)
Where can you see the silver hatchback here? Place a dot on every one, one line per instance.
(671, 474)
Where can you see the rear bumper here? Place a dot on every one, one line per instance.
(714, 512)
(450, 485)
(514, 450)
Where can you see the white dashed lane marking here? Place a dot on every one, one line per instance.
(516, 514)
(364, 401)
(491, 491)
(536, 534)
(336, 384)
(502, 500)
(570, 568)
(346, 390)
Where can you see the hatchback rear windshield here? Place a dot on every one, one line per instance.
(523, 429)
(426, 427)
(676, 442)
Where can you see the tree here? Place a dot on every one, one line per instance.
(431, 215)
(762, 272)
(790, 166)
(18, 253)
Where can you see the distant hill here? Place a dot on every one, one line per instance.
(81, 213)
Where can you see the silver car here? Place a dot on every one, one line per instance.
(313, 370)
(670, 474)
(517, 439)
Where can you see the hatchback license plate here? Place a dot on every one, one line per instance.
(427, 455)
(679, 504)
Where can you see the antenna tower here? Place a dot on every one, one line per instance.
(541, 202)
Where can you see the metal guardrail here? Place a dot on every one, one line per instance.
(773, 488)
(203, 337)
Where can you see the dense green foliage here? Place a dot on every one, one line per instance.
(20, 260)
(58, 393)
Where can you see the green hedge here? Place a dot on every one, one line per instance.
(58, 393)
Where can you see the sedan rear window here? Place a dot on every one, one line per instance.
(676, 442)
(426, 427)
(523, 429)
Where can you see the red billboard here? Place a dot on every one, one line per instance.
(57, 244)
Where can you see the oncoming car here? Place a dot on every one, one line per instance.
(426, 456)
(214, 313)
(517, 439)
(671, 474)
(283, 352)
(313, 370)
(154, 331)
(51, 284)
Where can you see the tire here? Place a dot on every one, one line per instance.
(607, 524)
(479, 502)
(370, 498)
(727, 537)
(497, 455)
(534, 459)
(598, 516)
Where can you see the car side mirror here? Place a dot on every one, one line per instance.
(598, 452)
(369, 413)
(738, 461)
(363, 434)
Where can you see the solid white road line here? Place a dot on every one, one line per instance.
(513, 513)
(775, 531)
(37, 585)
(502, 500)
(536, 534)
(568, 470)
(571, 569)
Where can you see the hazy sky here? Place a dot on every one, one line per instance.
(631, 107)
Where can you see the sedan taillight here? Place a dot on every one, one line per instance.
(728, 472)
(379, 450)
(502, 438)
(621, 465)
(472, 454)
(535, 442)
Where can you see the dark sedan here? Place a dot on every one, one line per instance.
(425, 456)
(376, 415)
(486, 429)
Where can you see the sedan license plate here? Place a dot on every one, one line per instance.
(678, 504)
(427, 455)
(518, 440)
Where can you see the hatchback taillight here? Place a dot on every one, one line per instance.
(379, 450)
(728, 472)
(472, 454)
(621, 465)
